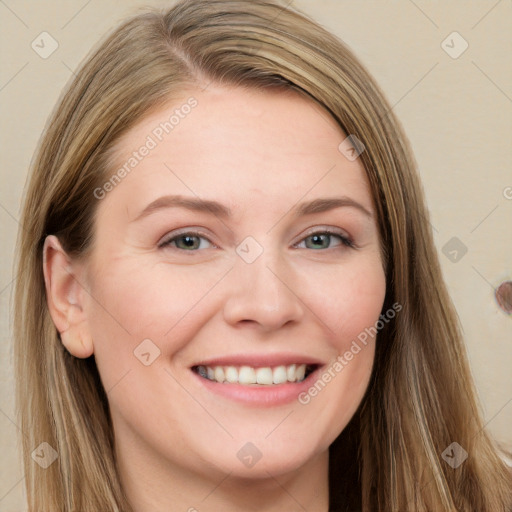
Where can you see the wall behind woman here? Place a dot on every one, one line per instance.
(445, 70)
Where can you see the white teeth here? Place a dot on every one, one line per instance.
(264, 376)
(279, 375)
(247, 375)
(231, 374)
(291, 372)
(218, 374)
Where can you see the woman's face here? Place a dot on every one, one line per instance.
(240, 243)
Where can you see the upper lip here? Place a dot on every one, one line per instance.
(260, 360)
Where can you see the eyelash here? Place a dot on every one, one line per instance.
(345, 241)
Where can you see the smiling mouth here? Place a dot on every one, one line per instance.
(249, 375)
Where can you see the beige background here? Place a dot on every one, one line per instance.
(456, 112)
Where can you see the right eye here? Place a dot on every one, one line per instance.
(188, 241)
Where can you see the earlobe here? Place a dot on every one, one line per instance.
(77, 342)
(65, 297)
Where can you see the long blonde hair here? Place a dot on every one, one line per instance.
(421, 397)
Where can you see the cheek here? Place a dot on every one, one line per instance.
(130, 303)
(355, 338)
(348, 299)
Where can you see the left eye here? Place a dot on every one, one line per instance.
(188, 242)
(324, 240)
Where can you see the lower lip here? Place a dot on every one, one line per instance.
(260, 395)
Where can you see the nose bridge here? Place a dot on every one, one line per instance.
(260, 292)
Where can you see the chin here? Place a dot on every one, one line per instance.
(259, 460)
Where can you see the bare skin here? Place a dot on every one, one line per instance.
(317, 284)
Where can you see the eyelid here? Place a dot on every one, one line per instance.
(193, 231)
(326, 230)
(196, 231)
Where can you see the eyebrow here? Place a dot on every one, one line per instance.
(207, 206)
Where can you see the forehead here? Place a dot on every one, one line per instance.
(232, 140)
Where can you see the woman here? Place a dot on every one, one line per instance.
(228, 297)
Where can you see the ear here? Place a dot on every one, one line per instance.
(65, 296)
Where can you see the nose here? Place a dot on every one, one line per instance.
(263, 294)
